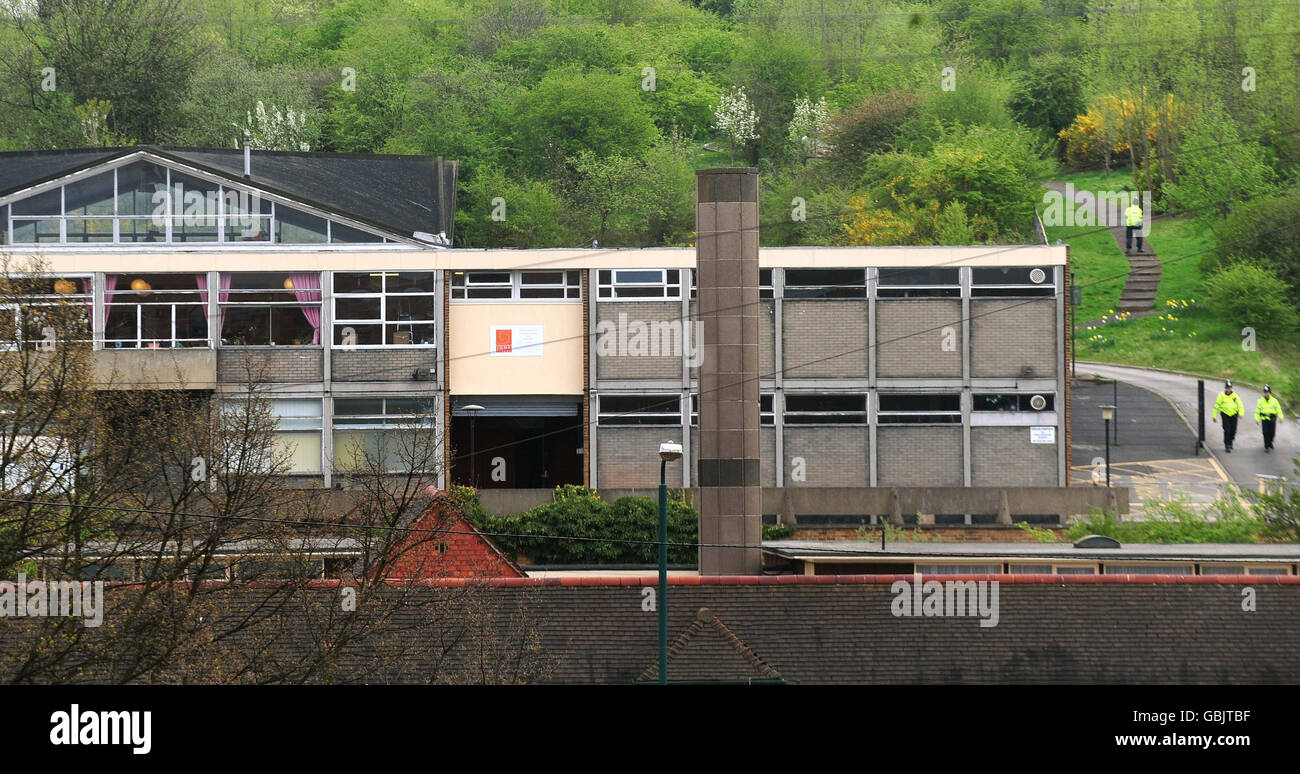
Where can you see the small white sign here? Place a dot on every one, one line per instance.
(515, 341)
(1042, 434)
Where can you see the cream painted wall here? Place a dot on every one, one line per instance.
(472, 371)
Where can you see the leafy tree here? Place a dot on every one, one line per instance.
(736, 120)
(808, 125)
(609, 185)
(869, 127)
(272, 129)
(1048, 94)
(225, 88)
(570, 111)
(1217, 168)
(1006, 30)
(501, 210)
(774, 69)
(1264, 231)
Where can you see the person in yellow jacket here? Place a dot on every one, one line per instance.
(1268, 412)
(1229, 405)
(1132, 225)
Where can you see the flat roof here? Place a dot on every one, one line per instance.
(859, 550)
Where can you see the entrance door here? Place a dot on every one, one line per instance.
(517, 444)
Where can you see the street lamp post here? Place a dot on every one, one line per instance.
(668, 452)
(1107, 414)
(473, 409)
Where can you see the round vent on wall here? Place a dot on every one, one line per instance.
(1038, 402)
(1037, 275)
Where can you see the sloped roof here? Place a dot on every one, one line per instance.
(399, 194)
(708, 651)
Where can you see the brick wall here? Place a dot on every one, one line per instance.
(919, 456)
(271, 364)
(829, 336)
(456, 550)
(380, 365)
(910, 337)
(833, 456)
(1008, 335)
(628, 457)
(1003, 456)
(665, 366)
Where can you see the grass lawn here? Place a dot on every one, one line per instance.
(1189, 338)
(1119, 180)
(702, 158)
(1098, 263)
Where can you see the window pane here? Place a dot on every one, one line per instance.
(48, 203)
(1013, 275)
(360, 282)
(358, 335)
(825, 403)
(918, 277)
(341, 234)
(93, 196)
(303, 450)
(643, 275)
(410, 308)
(410, 282)
(294, 227)
(142, 190)
(356, 308)
(920, 403)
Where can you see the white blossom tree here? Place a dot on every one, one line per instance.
(736, 119)
(271, 129)
(809, 124)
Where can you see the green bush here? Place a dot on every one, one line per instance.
(1245, 294)
(1264, 230)
(1176, 521)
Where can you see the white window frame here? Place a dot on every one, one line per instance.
(570, 286)
(383, 322)
(117, 308)
(233, 302)
(388, 423)
(609, 284)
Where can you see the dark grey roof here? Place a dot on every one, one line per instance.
(399, 194)
(859, 549)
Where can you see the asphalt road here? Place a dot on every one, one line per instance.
(1248, 457)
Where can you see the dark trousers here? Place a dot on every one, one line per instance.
(1129, 231)
(1269, 425)
(1229, 429)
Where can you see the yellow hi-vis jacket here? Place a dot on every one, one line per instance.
(1267, 407)
(1228, 405)
(1133, 215)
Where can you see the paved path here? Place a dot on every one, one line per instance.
(1139, 294)
(1247, 458)
(1153, 451)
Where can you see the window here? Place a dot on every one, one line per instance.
(825, 283)
(1031, 569)
(1148, 569)
(44, 310)
(639, 284)
(1268, 571)
(388, 434)
(520, 285)
(640, 410)
(391, 308)
(826, 409)
(918, 283)
(1013, 402)
(270, 309)
(1076, 569)
(764, 283)
(919, 409)
(959, 569)
(1013, 281)
(1223, 569)
(297, 441)
(147, 202)
(766, 416)
(155, 310)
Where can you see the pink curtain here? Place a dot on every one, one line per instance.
(201, 280)
(223, 295)
(110, 284)
(306, 288)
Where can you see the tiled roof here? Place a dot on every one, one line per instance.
(708, 651)
(399, 194)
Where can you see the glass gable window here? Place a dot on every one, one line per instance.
(640, 410)
(270, 309)
(639, 284)
(155, 310)
(826, 409)
(384, 309)
(825, 283)
(144, 202)
(919, 409)
(919, 283)
(388, 434)
(1012, 281)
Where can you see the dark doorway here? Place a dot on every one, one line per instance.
(518, 452)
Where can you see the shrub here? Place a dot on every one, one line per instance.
(1177, 521)
(869, 127)
(1246, 294)
(1263, 229)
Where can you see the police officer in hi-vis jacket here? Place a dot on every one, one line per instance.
(1229, 405)
(1268, 412)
